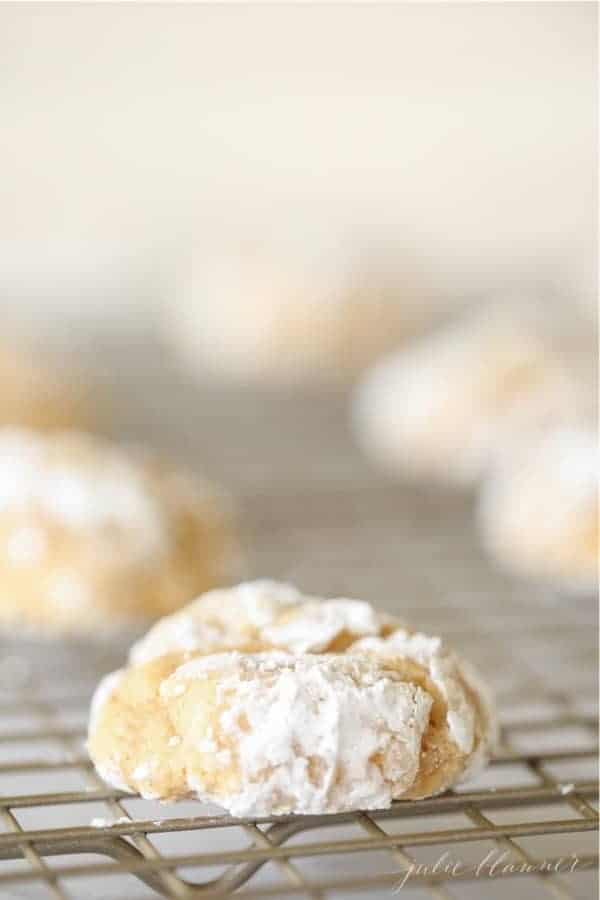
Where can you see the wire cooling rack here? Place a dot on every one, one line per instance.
(315, 513)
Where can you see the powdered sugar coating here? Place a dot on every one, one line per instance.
(539, 512)
(331, 715)
(307, 734)
(82, 485)
(270, 612)
(89, 529)
(314, 626)
(372, 712)
(218, 620)
(444, 669)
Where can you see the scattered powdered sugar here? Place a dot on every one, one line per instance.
(311, 734)
(99, 822)
(567, 788)
(443, 668)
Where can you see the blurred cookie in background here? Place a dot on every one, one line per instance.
(286, 313)
(34, 393)
(94, 537)
(451, 403)
(538, 512)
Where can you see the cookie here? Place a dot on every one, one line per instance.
(287, 317)
(538, 513)
(326, 705)
(453, 403)
(93, 536)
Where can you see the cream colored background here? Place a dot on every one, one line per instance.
(465, 133)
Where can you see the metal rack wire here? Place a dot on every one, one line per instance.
(529, 820)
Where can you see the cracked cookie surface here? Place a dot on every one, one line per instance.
(315, 706)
